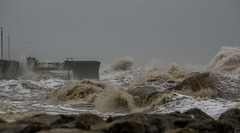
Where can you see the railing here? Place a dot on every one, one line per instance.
(49, 64)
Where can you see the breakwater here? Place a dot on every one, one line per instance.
(8, 69)
(83, 69)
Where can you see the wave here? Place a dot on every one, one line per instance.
(155, 77)
(226, 60)
(198, 85)
(30, 85)
(114, 100)
(108, 97)
(41, 77)
(144, 97)
(5, 106)
(122, 64)
(80, 91)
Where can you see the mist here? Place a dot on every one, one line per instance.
(180, 31)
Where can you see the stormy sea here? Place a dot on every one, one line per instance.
(127, 99)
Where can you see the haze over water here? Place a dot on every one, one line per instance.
(158, 56)
(185, 32)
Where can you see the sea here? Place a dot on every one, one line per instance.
(122, 90)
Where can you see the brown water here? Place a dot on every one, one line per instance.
(149, 90)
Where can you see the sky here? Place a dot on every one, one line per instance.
(180, 31)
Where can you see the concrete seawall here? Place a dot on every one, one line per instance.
(8, 69)
(83, 69)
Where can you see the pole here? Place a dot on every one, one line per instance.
(1, 43)
(68, 66)
(9, 47)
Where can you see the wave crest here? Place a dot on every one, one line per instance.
(226, 60)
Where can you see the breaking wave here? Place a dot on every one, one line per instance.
(30, 85)
(108, 97)
(155, 77)
(41, 77)
(25, 71)
(145, 97)
(202, 84)
(5, 106)
(226, 60)
(122, 64)
(155, 65)
(80, 91)
(114, 99)
(176, 72)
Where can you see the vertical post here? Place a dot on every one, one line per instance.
(9, 47)
(68, 74)
(1, 43)
(68, 67)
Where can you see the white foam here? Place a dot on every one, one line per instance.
(213, 107)
(50, 83)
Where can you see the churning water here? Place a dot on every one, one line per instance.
(124, 90)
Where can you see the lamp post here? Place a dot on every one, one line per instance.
(1, 43)
(9, 47)
(9, 52)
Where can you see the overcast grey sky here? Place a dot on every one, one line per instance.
(181, 31)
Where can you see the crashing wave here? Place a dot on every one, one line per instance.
(226, 60)
(114, 100)
(85, 90)
(122, 64)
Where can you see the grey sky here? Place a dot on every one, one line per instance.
(181, 31)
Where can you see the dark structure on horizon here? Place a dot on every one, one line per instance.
(83, 69)
(79, 69)
(8, 69)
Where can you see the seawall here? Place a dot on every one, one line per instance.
(83, 69)
(8, 69)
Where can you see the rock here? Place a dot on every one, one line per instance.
(84, 121)
(197, 114)
(127, 127)
(211, 126)
(2, 121)
(65, 130)
(22, 128)
(231, 117)
(191, 121)
(183, 130)
(132, 123)
(140, 123)
(47, 119)
(203, 123)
